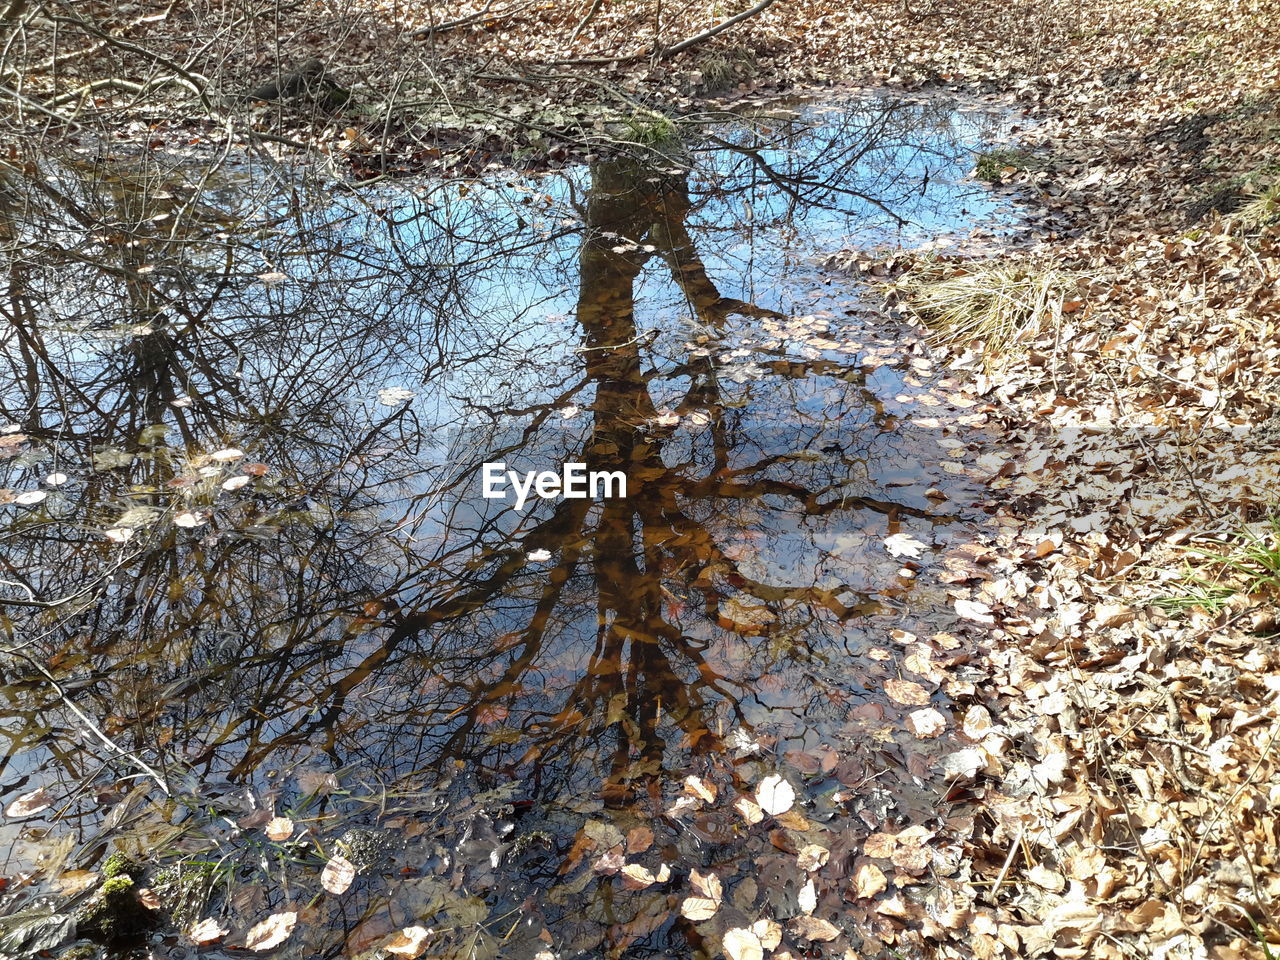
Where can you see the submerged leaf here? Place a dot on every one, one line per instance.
(29, 804)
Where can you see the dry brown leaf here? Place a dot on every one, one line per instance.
(702, 789)
(869, 881)
(740, 944)
(698, 908)
(207, 930)
(338, 875)
(278, 828)
(812, 857)
(706, 885)
(410, 942)
(636, 877)
(907, 692)
(813, 928)
(271, 932)
(768, 932)
(880, 845)
(926, 724)
(749, 809)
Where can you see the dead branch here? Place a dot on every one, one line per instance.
(710, 32)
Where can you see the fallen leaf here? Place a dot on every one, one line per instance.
(739, 944)
(279, 828)
(813, 928)
(904, 545)
(706, 885)
(975, 610)
(338, 875)
(868, 881)
(808, 897)
(698, 908)
(907, 692)
(636, 877)
(235, 483)
(226, 455)
(410, 942)
(29, 804)
(749, 809)
(775, 795)
(812, 857)
(271, 932)
(769, 933)
(926, 724)
(207, 930)
(700, 788)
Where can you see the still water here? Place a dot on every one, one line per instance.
(247, 569)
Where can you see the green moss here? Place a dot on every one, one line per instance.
(121, 864)
(114, 912)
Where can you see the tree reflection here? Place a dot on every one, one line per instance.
(359, 607)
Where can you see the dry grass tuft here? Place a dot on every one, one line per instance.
(1001, 303)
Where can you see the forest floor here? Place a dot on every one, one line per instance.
(1129, 608)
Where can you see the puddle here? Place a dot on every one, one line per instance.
(258, 408)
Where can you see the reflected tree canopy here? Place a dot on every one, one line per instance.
(262, 574)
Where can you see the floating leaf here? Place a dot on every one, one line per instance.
(56, 479)
(279, 828)
(30, 498)
(119, 534)
(207, 930)
(775, 795)
(739, 944)
(226, 455)
(188, 519)
(338, 875)
(271, 932)
(255, 469)
(907, 692)
(539, 556)
(410, 942)
(235, 483)
(904, 545)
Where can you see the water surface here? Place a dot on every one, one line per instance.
(262, 578)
